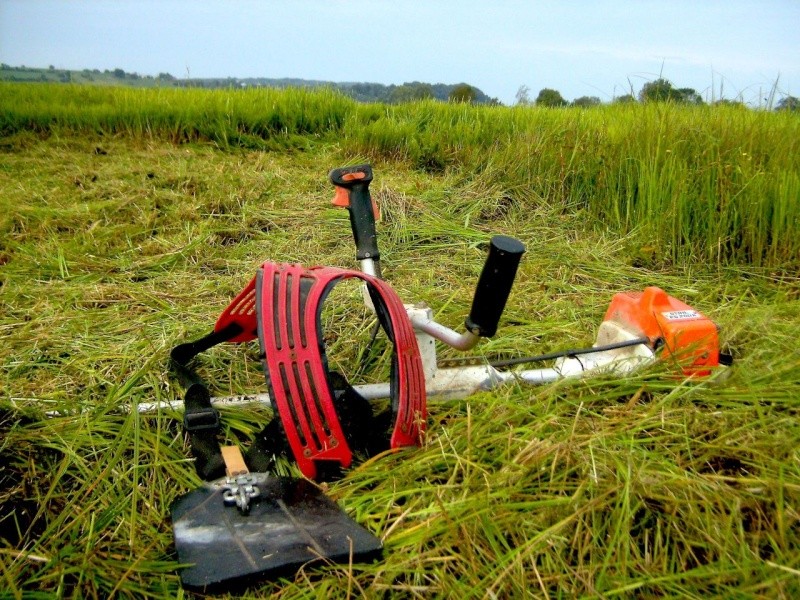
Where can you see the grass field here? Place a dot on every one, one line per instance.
(130, 218)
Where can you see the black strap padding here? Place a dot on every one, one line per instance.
(183, 353)
(269, 444)
(365, 433)
(200, 419)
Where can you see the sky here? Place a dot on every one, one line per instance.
(605, 48)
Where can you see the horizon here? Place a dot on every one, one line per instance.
(737, 50)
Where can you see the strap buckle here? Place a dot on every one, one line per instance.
(202, 419)
(239, 491)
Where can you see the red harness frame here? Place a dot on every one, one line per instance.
(281, 306)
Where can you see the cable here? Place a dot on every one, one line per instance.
(571, 353)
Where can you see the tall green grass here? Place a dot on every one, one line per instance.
(717, 184)
(235, 118)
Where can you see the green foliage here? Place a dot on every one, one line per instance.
(716, 183)
(463, 93)
(730, 103)
(625, 99)
(550, 98)
(411, 92)
(662, 90)
(586, 101)
(789, 103)
(179, 115)
(689, 96)
(363, 92)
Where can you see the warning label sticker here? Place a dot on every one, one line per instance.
(679, 315)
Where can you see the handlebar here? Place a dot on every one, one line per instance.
(494, 285)
(354, 185)
(499, 271)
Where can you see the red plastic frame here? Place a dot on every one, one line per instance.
(287, 323)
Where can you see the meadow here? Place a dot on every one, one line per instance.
(129, 219)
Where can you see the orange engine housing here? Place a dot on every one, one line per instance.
(689, 337)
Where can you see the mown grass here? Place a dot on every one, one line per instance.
(117, 245)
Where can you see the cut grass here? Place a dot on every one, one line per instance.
(114, 249)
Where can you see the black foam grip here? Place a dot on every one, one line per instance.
(362, 217)
(494, 285)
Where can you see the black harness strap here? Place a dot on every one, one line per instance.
(201, 421)
(183, 353)
(201, 424)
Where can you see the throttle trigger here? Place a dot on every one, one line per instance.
(341, 198)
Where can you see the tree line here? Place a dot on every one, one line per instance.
(360, 91)
(659, 90)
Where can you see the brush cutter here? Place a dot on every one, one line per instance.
(638, 327)
(322, 421)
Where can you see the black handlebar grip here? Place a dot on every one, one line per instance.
(494, 285)
(362, 218)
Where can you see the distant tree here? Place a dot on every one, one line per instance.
(165, 77)
(728, 102)
(463, 93)
(586, 101)
(367, 92)
(51, 68)
(4, 67)
(411, 92)
(548, 97)
(662, 90)
(789, 103)
(523, 96)
(119, 73)
(624, 99)
(689, 96)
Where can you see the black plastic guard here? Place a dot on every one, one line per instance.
(290, 524)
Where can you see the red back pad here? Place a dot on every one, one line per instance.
(288, 315)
